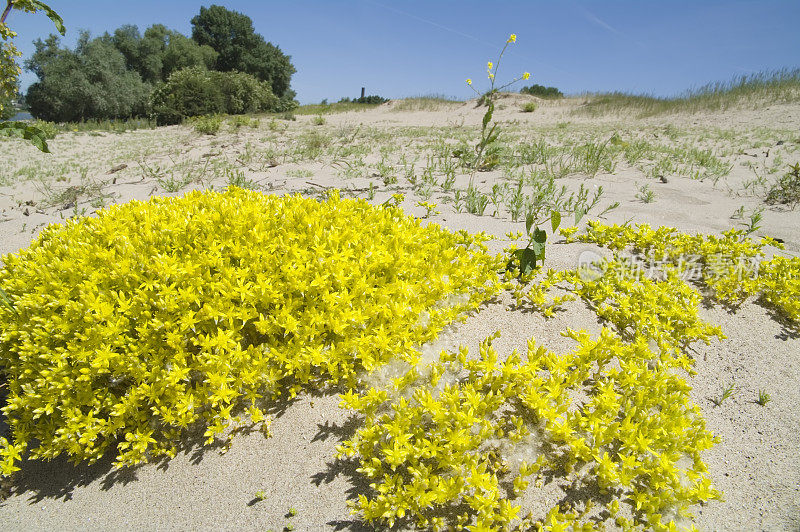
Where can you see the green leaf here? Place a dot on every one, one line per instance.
(6, 301)
(529, 223)
(537, 245)
(555, 220)
(488, 140)
(28, 132)
(527, 260)
(578, 215)
(49, 11)
(488, 116)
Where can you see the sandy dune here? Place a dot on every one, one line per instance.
(370, 154)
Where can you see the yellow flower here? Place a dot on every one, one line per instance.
(512, 38)
(469, 81)
(526, 75)
(491, 76)
(489, 66)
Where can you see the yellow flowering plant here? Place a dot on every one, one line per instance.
(731, 265)
(486, 152)
(454, 443)
(131, 326)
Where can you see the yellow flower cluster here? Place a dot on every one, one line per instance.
(130, 326)
(614, 415)
(447, 438)
(664, 312)
(731, 265)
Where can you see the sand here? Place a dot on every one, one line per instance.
(757, 463)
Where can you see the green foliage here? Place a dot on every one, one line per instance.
(195, 92)
(207, 125)
(31, 133)
(188, 92)
(726, 393)
(240, 121)
(113, 76)
(91, 81)
(529, 107)
(151, 317)
(160, 52)
(525, 260)
(241, 49)
(787, 190)
(755, 90)
(372, 99)
(645, 195)
(9, 70)
(541, 91)
(243, 93)
(763, 398)
(32, 6)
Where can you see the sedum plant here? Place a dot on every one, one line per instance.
(731, 265)
(131, 326)
(456, 442)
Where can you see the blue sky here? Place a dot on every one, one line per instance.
(418, 47)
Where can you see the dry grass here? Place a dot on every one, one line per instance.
(752, 91)
(432, 102)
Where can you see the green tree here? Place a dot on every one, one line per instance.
(160, 52)
(240, 48)
(91, 81)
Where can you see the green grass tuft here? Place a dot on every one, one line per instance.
(754, 91)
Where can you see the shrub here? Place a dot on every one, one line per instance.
(196, 92)
(208, 125)
(237, 122)
(187, 92)
(373, 99)
(155, 316)
(242, 93)
(529, 107)
(541, 91)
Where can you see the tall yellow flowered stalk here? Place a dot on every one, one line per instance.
(486, 157)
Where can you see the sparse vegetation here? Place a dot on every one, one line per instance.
(434, 102)
(469, 432)
(786, 190)
(748, 91)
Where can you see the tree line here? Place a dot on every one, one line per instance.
(225, 66)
